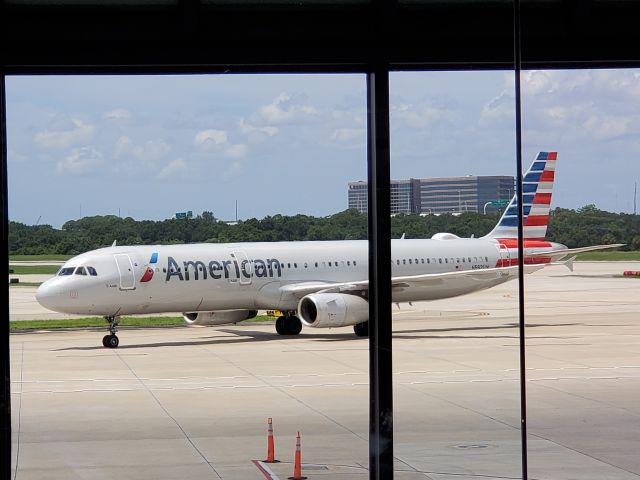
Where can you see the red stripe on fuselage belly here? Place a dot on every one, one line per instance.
(510, 262)
(513, 243)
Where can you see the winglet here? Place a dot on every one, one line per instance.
(402, 237)
(114, 243)
(569, 263)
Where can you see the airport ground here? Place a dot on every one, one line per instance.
(193, 402)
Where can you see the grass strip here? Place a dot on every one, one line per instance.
(605, 256)
(89, 322)
(34, 269)
(39, 258)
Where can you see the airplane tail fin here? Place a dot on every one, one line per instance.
(537, 185)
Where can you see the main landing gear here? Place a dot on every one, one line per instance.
(288, 324)
(361, 329)
(111, 340)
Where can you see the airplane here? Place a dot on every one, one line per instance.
(321, 284)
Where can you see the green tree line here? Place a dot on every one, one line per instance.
(585, 226)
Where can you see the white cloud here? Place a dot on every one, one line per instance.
(421, 116)
(608, 127)
(211, 138)
(286, 109)
(349, 135)
(173, 168)
(236, 151)
(255, 132)
(149, 152)
(234, 169)
(81, 160)
(499, 109)
(63, 132)
(536, 82)
(118, 114)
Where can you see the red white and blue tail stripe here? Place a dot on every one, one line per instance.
(537, 186)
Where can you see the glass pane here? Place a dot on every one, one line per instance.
(456, 390)
(583, 335)
(212, 198)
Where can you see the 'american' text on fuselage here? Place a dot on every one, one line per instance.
(218, 269)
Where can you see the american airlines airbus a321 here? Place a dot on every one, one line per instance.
(318, 284)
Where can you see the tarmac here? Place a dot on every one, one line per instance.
(193, 402)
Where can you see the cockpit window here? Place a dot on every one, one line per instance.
(92, 271)
(81, 271)
(66, 271)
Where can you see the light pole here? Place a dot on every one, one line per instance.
(484, 209)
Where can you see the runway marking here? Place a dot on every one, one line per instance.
(265, 470)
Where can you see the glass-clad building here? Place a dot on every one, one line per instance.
(480, 194)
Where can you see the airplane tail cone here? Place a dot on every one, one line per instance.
(271, 456)
(297, 466)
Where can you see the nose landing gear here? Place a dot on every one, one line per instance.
(111, 340)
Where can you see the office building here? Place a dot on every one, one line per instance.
(441, 195)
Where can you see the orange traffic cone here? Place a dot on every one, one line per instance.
(271, 456)
(297, 466)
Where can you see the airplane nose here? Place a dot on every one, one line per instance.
(49, 295)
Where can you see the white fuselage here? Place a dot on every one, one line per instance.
(210, 277)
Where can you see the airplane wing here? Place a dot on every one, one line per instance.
(299, 290)
(555, 255)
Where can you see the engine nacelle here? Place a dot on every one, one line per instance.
(219, 317)
(327, 310)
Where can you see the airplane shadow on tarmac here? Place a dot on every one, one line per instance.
(251, 336)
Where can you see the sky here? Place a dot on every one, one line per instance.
(150, 146)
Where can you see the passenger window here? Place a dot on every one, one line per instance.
(92, 271)
(457, 260)
(348, 263)
(486, 259)
(316, 264)
(409, 261)
(354, 263)
(446, 260)
(428, 261)
(329, 263)
(439, 260)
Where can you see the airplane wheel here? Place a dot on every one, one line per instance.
(113, 341)
(361, 329)
(105, 339)
(293, 325)
(280, 326)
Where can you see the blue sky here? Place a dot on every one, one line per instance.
(150, 146)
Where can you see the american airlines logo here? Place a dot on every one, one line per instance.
(217, 269)
(148, 271)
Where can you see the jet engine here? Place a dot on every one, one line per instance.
(219, 317)
(327, 310)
